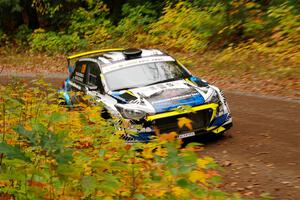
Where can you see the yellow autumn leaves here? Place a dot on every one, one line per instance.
(99, 164)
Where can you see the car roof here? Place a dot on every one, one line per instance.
(117, 57)
(113, 56)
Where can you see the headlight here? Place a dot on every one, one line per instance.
(128, 113)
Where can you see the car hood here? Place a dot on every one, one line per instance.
(166, 96)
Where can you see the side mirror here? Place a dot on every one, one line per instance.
(198, 81)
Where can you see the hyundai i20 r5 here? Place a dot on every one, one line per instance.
(149, 88)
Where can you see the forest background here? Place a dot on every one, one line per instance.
(251, 45)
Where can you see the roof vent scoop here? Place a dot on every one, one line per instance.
(132, 53)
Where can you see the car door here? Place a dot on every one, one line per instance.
(95, 89)
(78, 78)
(93, 78)
(77, 83)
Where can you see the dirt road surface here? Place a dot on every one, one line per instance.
(260, 155)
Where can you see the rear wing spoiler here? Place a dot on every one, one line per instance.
(88, 53)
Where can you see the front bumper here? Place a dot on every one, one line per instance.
(145, 137)
(197, 120)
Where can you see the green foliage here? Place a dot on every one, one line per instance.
(285, 22)
(262, 33)
(55, 42)
(85, 22)
(50, 151)
(21, 37)
(13, 4)
(52, 8)
(2, 37)
(187, 27)
(9, 15)
(258, 59)
(12, 152)
(136, 20)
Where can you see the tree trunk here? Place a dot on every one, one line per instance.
(30, 16)
(115, 8)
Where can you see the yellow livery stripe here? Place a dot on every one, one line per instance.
(93, 52)
(129, 92)
(190, 82)
(177, 112)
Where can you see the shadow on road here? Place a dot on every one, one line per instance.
(206, 139)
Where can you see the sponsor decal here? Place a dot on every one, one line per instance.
(165, 96)
(171, 104)
(162, 97)
(83, 68)
(79, 78)
(174, 98)
(75, 85)
(124, 97)
(79, 74)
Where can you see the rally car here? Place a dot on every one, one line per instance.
(149, 88)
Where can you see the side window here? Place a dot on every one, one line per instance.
(93, 77)
(94, 73)
(79, 74)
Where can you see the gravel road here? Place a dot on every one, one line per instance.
(260, 154)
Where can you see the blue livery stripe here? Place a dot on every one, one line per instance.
(218, 121)
(167, 106)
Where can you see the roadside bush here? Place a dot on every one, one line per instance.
(99, 36)
(254, 23)
(4, 40)
(259, 59)
(53, 152)
(91, 23)
(136, 21)
(21, 37)
(276, 55)
(1, 36)
(52, 42)
(285, 22)
(186, 27)
(285, 38)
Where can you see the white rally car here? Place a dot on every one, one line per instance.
(149, 88)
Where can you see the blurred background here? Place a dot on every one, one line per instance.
(245, 45)
(248, 48)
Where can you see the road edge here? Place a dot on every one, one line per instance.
(64, 75)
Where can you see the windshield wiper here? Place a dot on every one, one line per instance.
(164, 81)
(157, 82)
(128, 88)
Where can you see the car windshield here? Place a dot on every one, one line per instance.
(144, 74)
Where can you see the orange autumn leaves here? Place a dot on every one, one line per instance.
(183, 121)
